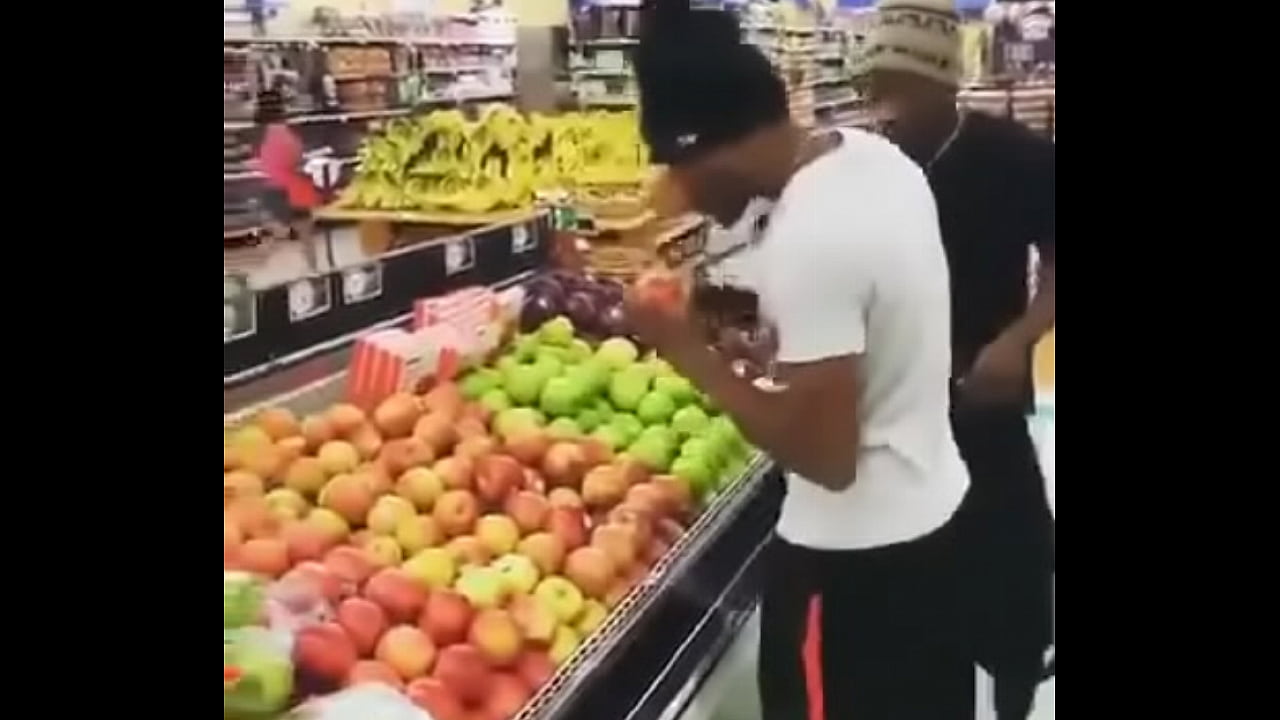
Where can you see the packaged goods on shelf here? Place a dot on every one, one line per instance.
(481, 543)
(443, 161)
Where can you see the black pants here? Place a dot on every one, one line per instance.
(1007, 533)
(865, 634)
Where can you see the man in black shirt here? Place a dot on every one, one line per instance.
(994, 182)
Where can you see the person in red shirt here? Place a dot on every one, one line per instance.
(289, 197)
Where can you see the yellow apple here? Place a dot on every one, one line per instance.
(433, 567)
(564, 644)
(483, 587)
(518, 572)
(593, 616)
(563, 597)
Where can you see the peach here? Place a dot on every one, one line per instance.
(348, 496)
(373, 671)
(420, 486)
(317, 430)
(436, 430)
(367, 442)
(591, 569)
(407, 650)
(402, 454)
(324, 651)
(618, 542)
(418, 532)
(306, 541)
(337, 456)
(387, 512)
(529, 510)
(398, 593)
(345, 418)
(546, 550)
(278, 423)
(456, 511)
(239, 484)
(396, 415)
(456, 472)
(498, 533)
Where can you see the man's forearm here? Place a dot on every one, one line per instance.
(1041, 313)
(765, 418)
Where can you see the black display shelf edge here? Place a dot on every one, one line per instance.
(674, 645)
(282, 336)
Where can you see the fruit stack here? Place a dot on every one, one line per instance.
(470, 538)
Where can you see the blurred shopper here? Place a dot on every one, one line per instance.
(289, 196)
(859, 618)
(994, 182)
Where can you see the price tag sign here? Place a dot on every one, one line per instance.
(239, 308)
(459, 255)
(309, 297)
(522, 241)
(361, 283)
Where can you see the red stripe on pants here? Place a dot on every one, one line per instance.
(811, 659)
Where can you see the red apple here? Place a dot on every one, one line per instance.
(398, 593)
(321, 578)
(306, 541)
(352, 565)
(468, 550)
(529, 510)
(496, 477)
(660, 289)
(446, 618)
(636, 517)
(568, 524)
(435, 697)
(497, 636)
(536, 621)
(619, 542)
(506, 698)
(565, 497)
(464, 671)
(536, 668)
(397, 456)
(365, 621)
(324, 651)
(456, 512)
(458, 473)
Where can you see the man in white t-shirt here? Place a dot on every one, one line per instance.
(859, 615)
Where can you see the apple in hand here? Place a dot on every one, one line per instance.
(446, 618)
(561, 596)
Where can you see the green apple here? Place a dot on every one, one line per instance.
(505, 363)
(478, 382)
(548, 364)
(519, 572)
(483, 587)
(564, 428)
(627, 389)
(578, 350)
(652, 452)
(628, 426)
(593, 374)
(609, 435)
(655, 408)
(661, 368)
(561, 596)
(679, 389)
(523, 383)
(556, 331)
(726, 433)
(560, 397)
(242, 599)
(618, 352)
(695, 471)
(605, 408)
(668, 436)
(689, 421)
(512, 420)
(525, 347)
(705, 449)
(496, 400)
(589, 419)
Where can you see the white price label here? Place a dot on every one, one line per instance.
(522, 241)
(459, 255)
(239, 308)
(308, 298)
(361, 283)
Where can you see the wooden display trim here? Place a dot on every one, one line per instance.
(498, 217)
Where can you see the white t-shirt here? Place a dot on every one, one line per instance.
(852, 263)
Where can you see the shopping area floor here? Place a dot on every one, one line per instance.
(730, 692)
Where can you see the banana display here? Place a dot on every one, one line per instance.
(443, 162)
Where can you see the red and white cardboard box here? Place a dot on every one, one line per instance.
(391, 361)
(472, 312)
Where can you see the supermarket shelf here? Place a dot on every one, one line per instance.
(287, 324)
(370, 40)
(610, 42)
(342, 116)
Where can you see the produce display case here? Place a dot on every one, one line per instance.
(662, 639)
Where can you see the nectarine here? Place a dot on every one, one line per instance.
(345, 418)
(396, 415)
(277, 422)
(306, 475)
(337, 456)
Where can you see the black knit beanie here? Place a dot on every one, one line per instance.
(700, 85)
